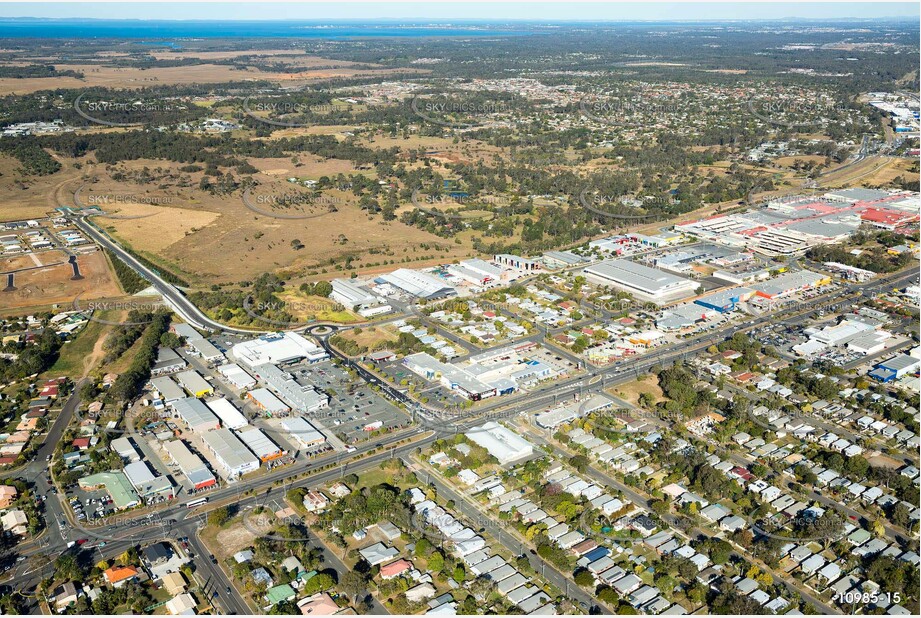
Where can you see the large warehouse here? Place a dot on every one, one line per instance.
(278, 348)
(302, 398)
(303, 432)
(190, 464)
(351, 295)
(196, 415)
(260, 444)
(418, 284)
(645, 283)
(232, 456)
(228, 413)
(196, 385)
(503, 444)
(146, 483)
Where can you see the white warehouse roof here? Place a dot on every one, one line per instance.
(277, 348)
(228, 413)
(503, 444)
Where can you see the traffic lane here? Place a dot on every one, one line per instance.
(217, 585)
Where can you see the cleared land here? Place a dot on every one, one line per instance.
(130, 77)
(52, 284)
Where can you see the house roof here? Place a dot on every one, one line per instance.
(116, 574)
(396, 567)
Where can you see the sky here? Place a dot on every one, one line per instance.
(543, 11)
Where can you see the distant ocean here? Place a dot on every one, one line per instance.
(161, 32)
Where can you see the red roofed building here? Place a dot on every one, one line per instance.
(742, 473)
(887, 219)
(395, 568)
(81, 443)
(119, 575)
(50, 391)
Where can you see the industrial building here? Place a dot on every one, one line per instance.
(266, 401)
(195, 414)
(116, 485)
(146, 483)
(186, 331)
(196, 385)
(476, 271)
(228, 413)
(351, 295)
(168, 390)
(205, 349)
(516, 261)
(260, 444)
(230, 454)
(681, 316)
(449, 376)
(569, 412)
(303, 432)
(725, 301)
(789, 283)
(896, 367)
(503, 444)
(168, 361)
(562, 259)
(125, 449)
(190, 464)
(643, 282)
(301, 398)
(278, 348)
(237, 376)
(418, 284)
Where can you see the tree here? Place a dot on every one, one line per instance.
(579, 462)
(460, 574)
(436, 562)
(318, 583)
(354, 585)
(219, 516)
(606, 594)
(584, 577)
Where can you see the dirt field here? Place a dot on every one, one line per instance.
(631, 391)
(53, 285)
(372, 335)
(129, 77)
(290, 57)
(28, 198)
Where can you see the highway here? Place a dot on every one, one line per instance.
(172, 296)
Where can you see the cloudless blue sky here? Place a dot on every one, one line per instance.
(550, 11)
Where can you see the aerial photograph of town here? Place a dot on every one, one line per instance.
(460, 308)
